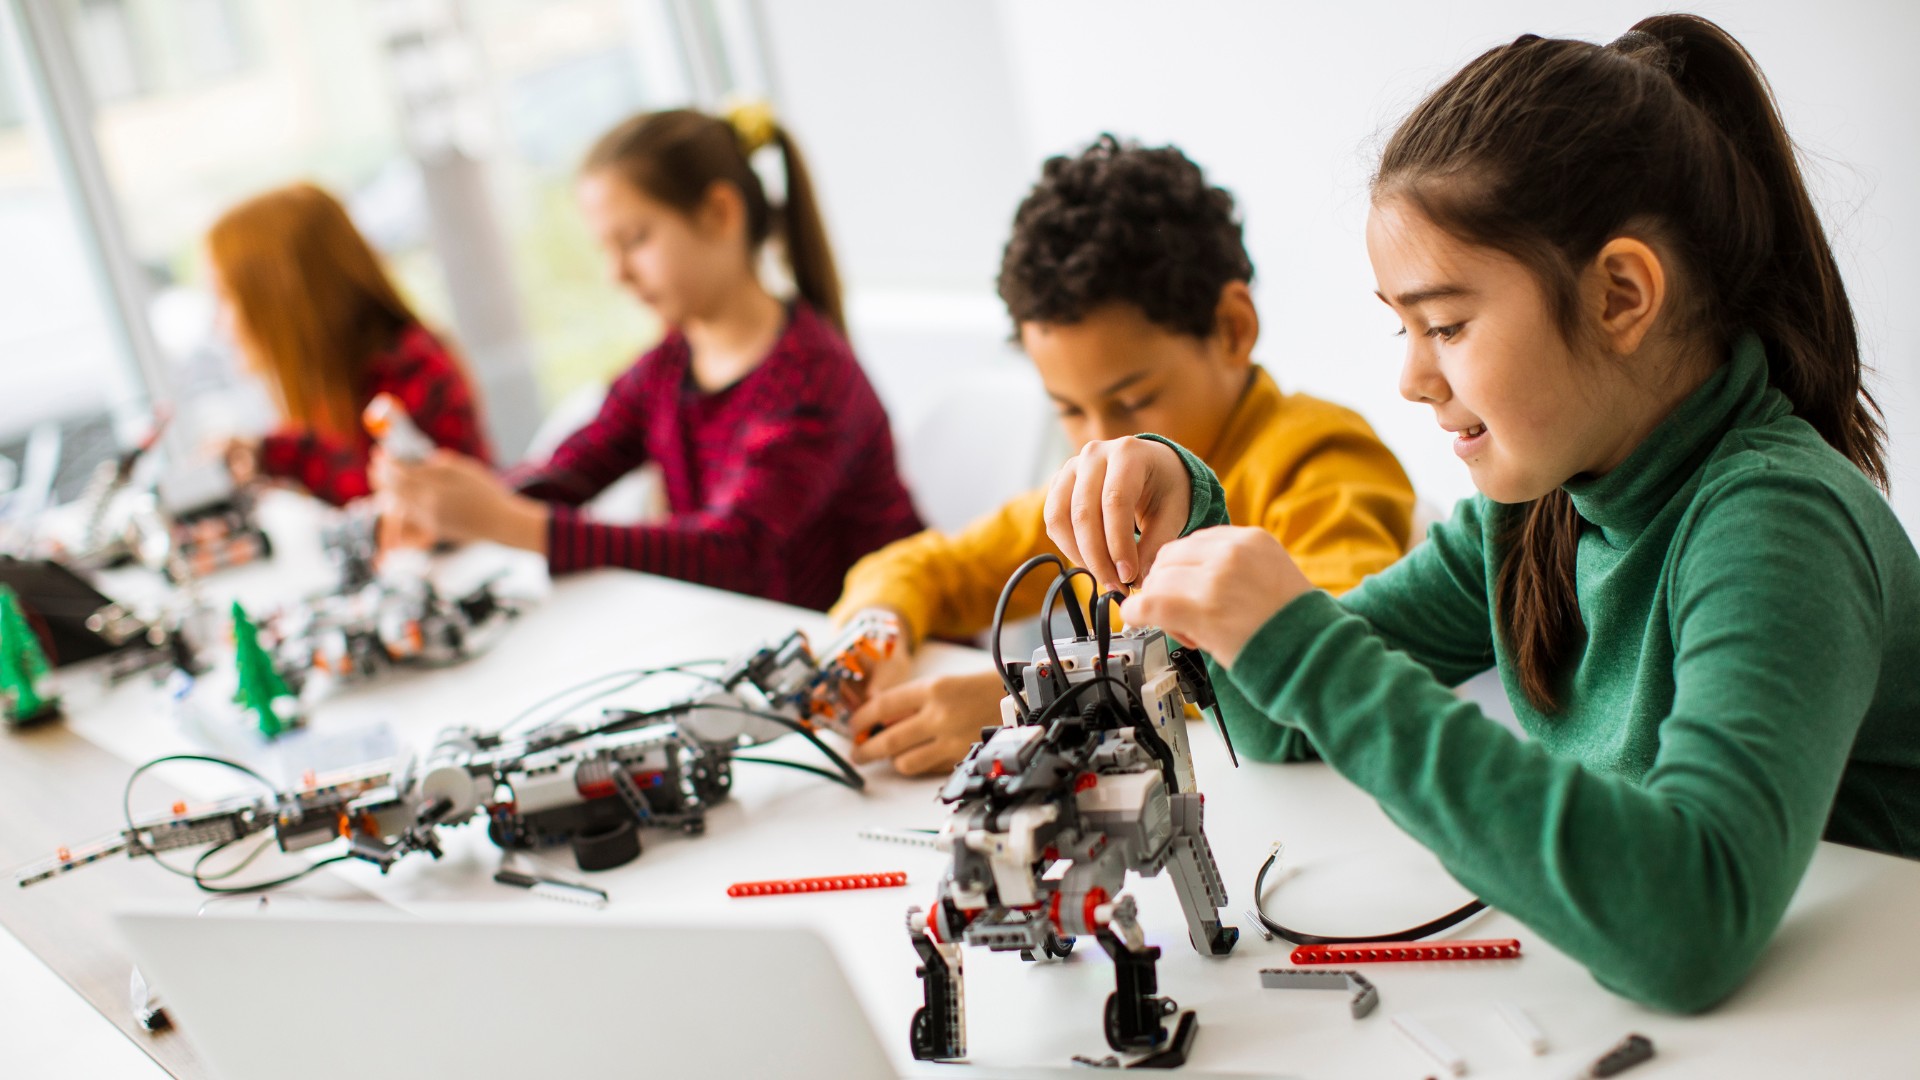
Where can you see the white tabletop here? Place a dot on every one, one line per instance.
(1834, 994)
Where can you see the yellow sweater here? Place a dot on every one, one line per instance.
(1310, 472)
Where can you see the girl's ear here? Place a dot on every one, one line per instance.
(722, 213)
(1628, 284)
(1236, 323)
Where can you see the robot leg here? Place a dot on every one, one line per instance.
(940, 1025)
(1196, 879)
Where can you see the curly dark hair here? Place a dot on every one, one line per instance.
(1123, 223)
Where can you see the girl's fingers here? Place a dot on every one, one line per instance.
(1165, 499)
(1162, 605)
(1110, 490)
(1087, 516)
(1058, 513)
(1123, 501)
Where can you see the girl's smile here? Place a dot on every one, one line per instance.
(1527, 411)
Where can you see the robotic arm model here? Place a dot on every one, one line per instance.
(588, 787)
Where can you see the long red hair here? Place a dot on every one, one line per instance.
(311, 302)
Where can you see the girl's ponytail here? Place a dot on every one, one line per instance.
(676, 157)
(805, 234)
(1791, 295)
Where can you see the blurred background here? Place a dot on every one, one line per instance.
(451, 129)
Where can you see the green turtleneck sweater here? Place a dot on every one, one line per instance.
(1749, 682)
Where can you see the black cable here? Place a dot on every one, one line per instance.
(851, 775)
(126, 797)
(801, 765)
(194, 874)
(634, 676)
(1057, 705)
(1143, 729)
(205, 885)
(1426, 929)
(1000, 618)
(1102, 614)
(259, 849)
(624, 721)
(1060, 680)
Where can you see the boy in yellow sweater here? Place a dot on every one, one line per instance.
(1127, 281)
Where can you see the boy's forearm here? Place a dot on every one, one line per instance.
(947, 585)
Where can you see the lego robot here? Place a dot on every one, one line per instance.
(590, 787)
(184, 534)
(385, 623)
(1088, 778)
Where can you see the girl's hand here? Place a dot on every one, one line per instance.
(1215, 589)
(395, 531)
(242, 458)
(455, 498)
(1100, 496)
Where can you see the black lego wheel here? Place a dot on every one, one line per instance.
(1113, 1023)
(917, 1035)
(604, 850)
(1054, 948)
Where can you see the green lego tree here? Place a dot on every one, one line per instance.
(262, 691)
(23, 666)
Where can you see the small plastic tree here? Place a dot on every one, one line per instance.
(262, 691)
(23, 666)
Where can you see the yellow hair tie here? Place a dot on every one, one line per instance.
(752, 123)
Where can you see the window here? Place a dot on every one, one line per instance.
(103, 38)
(63, 369)
(439, 123)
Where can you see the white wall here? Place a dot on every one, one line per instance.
(907, 114)
(908, 117)
(1286, 104)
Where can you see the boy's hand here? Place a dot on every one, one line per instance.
(926, 726)
(455, 498)
(1217, 588)
(1100, 496)
(888, 673)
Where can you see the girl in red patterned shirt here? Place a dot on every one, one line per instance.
(776, 453)
(313, 313)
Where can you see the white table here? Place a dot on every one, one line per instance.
(1835, 994)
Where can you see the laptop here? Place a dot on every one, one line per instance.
(312, 991)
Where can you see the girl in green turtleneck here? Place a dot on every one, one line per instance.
(1618, 297)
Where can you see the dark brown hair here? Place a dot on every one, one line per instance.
(1547, 149)
(1123, 223)
(675, 157)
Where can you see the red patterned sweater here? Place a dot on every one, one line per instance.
(775, 485)
(424, 376)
